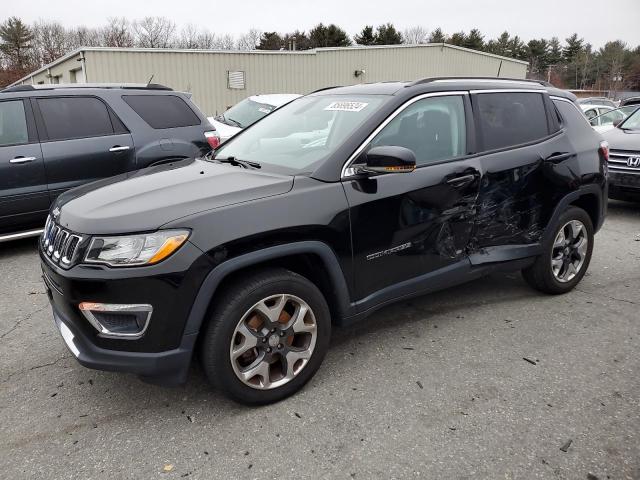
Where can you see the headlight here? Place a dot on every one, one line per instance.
(129, 250)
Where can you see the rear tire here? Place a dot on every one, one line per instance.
(566, 254)
(266, 336)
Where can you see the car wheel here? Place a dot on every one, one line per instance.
(266, 337)
(565, 256)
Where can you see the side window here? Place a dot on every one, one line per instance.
(13, 123)
(591, 113)
(433, 128)
(163, 111)
(508, 119)
(75, 117)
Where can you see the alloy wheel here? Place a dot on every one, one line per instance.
(569, 251)
(273, 341)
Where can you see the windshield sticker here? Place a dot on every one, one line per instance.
(346, 106)
(264, 110)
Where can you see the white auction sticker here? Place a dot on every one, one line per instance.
(346, 106)
(264, 110)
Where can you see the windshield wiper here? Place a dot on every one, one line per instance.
(239, 163)
(234, 122)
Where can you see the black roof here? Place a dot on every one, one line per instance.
(437, 84)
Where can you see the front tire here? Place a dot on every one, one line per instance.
(266, 337)
(566, 255)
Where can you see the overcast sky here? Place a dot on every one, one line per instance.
(596, 20)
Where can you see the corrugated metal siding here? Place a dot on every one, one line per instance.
(204, 73)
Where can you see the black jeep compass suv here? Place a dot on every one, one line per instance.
(339, 203)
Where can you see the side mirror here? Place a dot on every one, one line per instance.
(389, 159)
(617, 122)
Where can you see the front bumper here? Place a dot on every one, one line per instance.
(623, 185)
(163, 353)
(164, 368)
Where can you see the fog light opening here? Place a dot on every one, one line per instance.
(124, 321)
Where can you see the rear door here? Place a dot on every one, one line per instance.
(23, 188)
(82, 140)
(407, 225)
(524, 155)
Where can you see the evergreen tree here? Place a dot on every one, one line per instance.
(16, 43)
(437, 36)
(270, 41)
(328, 36)
(474, 40)
(366, 36)
(388, 35)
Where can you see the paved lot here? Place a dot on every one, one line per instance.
(433, 388)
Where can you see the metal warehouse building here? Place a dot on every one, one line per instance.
(218, 79)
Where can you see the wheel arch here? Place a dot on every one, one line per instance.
(589, 198)
(314, 260)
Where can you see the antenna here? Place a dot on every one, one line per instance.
(499, 68)
(150, 78)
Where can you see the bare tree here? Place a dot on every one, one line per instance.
(250, 40)
(154, 32)
(189, 37)
(415, 35)
(225, 42)
(51, 41)
(207, 40)
(84, 37)
(117, 33)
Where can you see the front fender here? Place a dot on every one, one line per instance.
(217, 275)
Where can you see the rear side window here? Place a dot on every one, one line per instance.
(163, 111)
(508, 119)
(66, 118)
(13, 123)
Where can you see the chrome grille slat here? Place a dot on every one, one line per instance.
(60, 244)
(618, 162)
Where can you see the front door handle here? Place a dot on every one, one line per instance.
(558, 157)
(118, 148)
(462, 180)
(19, 160)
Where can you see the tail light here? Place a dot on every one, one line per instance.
(213, 139)
(604, 149)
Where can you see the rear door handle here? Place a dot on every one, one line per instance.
(19, 160)
(558, 157)
(118, 148)
(462, 180)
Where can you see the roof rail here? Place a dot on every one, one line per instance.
(55, 86)
(493, 79)
(18, 88)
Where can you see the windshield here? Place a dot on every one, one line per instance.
(302, 134)
(246, 113)
(611, 116)
(632, 122)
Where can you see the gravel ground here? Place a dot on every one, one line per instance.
(437, 387)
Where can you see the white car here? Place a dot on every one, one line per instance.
(593, 111)
(247, 112)
(612, 118)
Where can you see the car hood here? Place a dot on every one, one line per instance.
(225, 131)
(622, 140)
(146, 199)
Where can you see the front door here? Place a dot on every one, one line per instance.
(24, 200)
(406, 225)
(82, 141)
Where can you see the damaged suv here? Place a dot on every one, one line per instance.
(333, 206)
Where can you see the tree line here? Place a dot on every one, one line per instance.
(571, 63)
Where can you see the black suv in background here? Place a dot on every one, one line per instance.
(56, 137)
(329, 208)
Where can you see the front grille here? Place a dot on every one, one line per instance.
(59, 244)
(619, 162)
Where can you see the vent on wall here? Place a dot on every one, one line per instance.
(235, 80)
